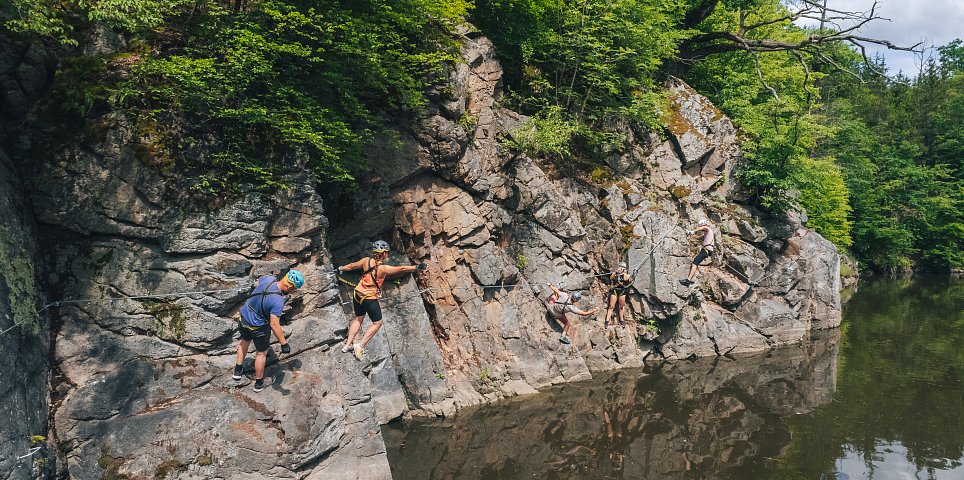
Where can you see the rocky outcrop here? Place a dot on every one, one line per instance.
(23, 337)
(26, 70)
(145, 342)
(496, 225)
(145, 387)
(705, 418)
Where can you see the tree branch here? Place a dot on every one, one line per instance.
(759, 73)
(845, 25)
(701, 12)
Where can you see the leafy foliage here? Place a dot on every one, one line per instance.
(583, 62)
(824, 195)
(899, 147)
(52, 18)
(239, 92)
(237, 95)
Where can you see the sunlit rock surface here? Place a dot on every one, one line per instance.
(144, 379)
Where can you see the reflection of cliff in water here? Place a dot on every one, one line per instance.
(711, 418)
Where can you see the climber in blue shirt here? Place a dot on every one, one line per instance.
(260, 316)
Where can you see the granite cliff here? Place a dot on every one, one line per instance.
(142, 374)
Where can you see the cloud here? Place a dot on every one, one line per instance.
(933, 22)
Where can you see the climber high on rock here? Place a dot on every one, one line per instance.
(367, 292)
(706, 249)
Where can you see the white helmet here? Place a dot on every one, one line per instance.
(379, 246)
(701, 222)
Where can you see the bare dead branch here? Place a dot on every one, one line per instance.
(786, 18)
(821, 7)
(843, 26)
(837, 65)
(806, 81)
(759, 73)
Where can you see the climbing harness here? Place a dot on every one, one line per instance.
(265, 318)
(621, 285)
(372, 270)
(395, 298)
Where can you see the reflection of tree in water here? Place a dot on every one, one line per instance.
(714, 416)
(901, 381)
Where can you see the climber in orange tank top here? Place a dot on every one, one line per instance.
(368, 291)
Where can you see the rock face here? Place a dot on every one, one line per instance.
(495, 226)
(26, 71)
(146, 386)
(144, 369)
(23, 337)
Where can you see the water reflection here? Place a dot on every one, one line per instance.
(889, 405)
(899, 408)
(712, 418)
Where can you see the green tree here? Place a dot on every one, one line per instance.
(229, 94)
(591, 61)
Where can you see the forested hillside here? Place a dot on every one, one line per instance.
(224, 93)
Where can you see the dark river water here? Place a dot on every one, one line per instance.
(880, 398)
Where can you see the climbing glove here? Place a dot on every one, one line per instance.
(286, 349)
(690, 232)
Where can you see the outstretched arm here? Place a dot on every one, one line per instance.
(393, 270)
(360, 264)
(555, 291)
(585, 313)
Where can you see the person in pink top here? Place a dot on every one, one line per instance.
(706, 249)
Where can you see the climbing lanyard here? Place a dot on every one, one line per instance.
(133, 297)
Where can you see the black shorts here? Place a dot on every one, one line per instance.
(260, 335)
(368, 306)
(619, 291)
(704, 253)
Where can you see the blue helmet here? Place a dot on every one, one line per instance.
(295, 278)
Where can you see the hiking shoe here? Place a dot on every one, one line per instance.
(565, 339)
(685, 282)
(345, 348)
(605, 324)
(259, 385)
(359, 352)
(238, 370)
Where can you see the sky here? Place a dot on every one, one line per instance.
(934, 22)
